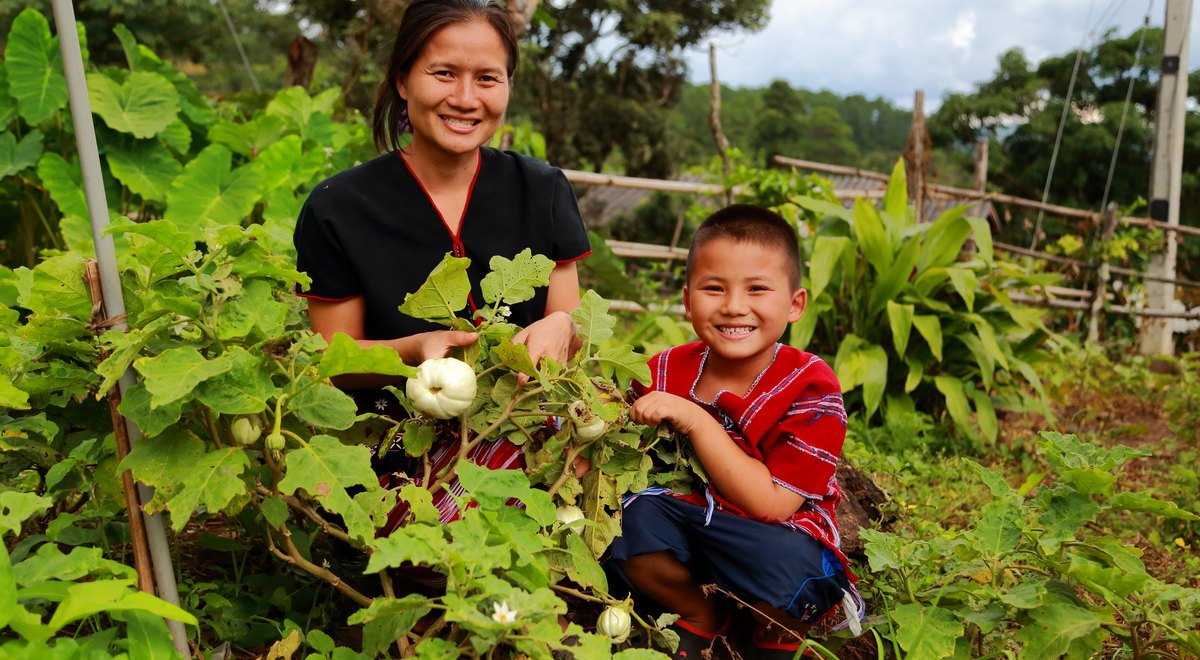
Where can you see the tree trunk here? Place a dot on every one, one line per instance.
(521, 12)
(859, 508)
(301, 60)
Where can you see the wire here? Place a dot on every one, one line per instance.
(238, 42)
(1112, 166)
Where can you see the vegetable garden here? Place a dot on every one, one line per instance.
(1031, 512)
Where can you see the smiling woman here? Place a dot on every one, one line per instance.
(371, 235)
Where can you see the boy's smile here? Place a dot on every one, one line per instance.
(740, 301)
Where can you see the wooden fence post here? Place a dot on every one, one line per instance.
(916, 156)
(1102, 275)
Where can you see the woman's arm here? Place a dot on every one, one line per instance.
(742, 479)
(349, 317)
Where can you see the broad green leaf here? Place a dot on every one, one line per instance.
(144, 105)
(827, 251)
(147, 169)
(150, 420)
(443, 294)
(623, 364)
(1112, 583)
(420, 502)
(873, 239)
(8, 105)
(345, 356)
(515, 357)
(255, 309)
(420, 544)
(210, 191)
(890, 283)
(16, 156)
(57, 289)
(85, 599)
(177, 136)
(175, 373)
(493, 488)
(294, 105)
(214, 481)
(965, 283)
(512, 281)
(124, 348)
(944, 239)
(242, 390)
(418, 436)
(885, 551)
(1025, 596)
(325, 468)
(149, 638)
(8, 587)
(285, 165)
(11, 396)
(64, 182)
(900, 319)
(956, 402)
(1065, 513)
(930, 328)
(1062, 629)
(997, 531)
(129, 46)
(874, 377)
(848, 364)
(991, 343)
(582, 567)
(895, 199)
(916, 372)
(16, 507)
(981, 231)
(987, 363)
(926, 632)
(1144, 502)
(985, 414)
(163, 232)
(324, 406)
(387, 619)
(34, 66)
(595, 323)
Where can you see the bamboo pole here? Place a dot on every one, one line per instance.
(110, 281)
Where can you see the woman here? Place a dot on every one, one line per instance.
(372, 234)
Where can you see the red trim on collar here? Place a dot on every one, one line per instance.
(572, 260)
(309, 295)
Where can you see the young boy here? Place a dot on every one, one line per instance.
(766, 421)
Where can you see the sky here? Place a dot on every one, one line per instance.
(890, 48)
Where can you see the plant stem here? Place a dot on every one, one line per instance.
(293, 557)
(312, 514)
(568, 468)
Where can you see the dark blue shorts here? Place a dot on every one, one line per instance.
(758, 562)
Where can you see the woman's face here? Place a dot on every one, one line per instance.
(457, 90)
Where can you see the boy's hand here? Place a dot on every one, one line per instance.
(654, 408)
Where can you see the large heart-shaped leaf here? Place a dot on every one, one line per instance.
(144, 105)
(34, 65)
(210, 191)
(146, 168)
(16, 156)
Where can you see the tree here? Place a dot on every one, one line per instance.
(598, 76)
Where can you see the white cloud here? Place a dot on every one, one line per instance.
(962, 33)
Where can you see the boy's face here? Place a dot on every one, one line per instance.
(740, 300)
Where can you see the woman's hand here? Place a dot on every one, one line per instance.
(422, 346)
(553, 335)
(654, 408)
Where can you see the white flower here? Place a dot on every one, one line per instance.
(380, 404)
(501, 613)
(504, 311)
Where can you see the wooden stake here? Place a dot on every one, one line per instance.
(916, 157)
(1102, 275)
(714, 120)
(137, 526)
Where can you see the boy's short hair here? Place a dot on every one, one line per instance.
(753, 224)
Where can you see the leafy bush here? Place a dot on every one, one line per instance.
(911, 326)
(1033, 573)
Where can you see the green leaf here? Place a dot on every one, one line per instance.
(900, 318)
(848, 364)
(420, 544)
(418, 436)
(210, 191)
(926, 633)
(16, 156)
(285, 165)
(387, 619)
(987, 363)
(58, 290)
(916, 372)
(146, 168)
(1064, 514)
(1025, 596)
(930, 328)
(11, 396)
(1062, 629)
(8, 105)
(175, 373)
(242, 390)
(64, 182)
(944, 239)
(895, 199)
(149, 638)
(324, 406)
(144, 105)
(443, 294)
(150, 420)
(623, 364)
(420, 502)
(345, 356)
(514, 280)
(889, 284)
(1146, 503)
(982, 233)
(515, 357)
(827, 250)
(17, 507)
(872, 237)
(325, 468)
(997, 532)
(985, 414)
(214, 481)
(34, 65)
(85, 599)
(956, 402)
(582, 567)
(8, 587)
(493, 488)
(874, 377)
(595, 323)
(965, 283)
(987, 336)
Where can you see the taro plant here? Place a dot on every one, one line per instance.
(911, 324)
(1034, 576)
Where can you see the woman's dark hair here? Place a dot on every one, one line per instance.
(421, 21)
